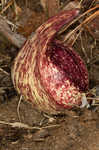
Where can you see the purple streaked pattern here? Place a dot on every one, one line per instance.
(48, 74)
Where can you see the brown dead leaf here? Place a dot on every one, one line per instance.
(32, 23)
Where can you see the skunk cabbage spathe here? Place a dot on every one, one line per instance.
(48, 74)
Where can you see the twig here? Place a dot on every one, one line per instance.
(19, 125)
(18, 108)
(83, 49)
(67, 26)
(76, 37)
(3, 2)
(87, 20)
(93, 60)
(5, 57)
(89, 30)
(93, 98)
(14, 38)
(4, 72)
(51, 126)
(25, 126)
(6, 7)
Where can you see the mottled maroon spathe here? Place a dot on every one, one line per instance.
(50, 75)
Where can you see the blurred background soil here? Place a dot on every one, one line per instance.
(78, 129)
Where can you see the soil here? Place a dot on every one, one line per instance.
(77, 129)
